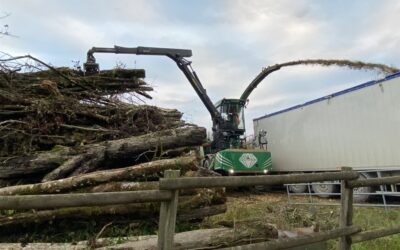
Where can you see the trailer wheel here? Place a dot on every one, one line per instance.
(325, 189)
(298, 189)
(363, 197)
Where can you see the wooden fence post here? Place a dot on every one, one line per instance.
(346, 211)
(167, 221)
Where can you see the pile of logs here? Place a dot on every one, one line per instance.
(42, 109)
(62, 131)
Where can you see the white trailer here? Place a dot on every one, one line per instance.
(357, 127)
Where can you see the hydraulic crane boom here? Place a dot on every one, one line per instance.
(177, 55)
(227, 115)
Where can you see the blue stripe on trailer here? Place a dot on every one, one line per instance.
(342, 92)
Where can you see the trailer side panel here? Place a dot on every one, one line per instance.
(358, 128)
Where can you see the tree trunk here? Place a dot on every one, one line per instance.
(213, 238)
(90, 179)
(137, 186)
(123, 186)
(150, 185)
(200, 213)
(129, 150)
(189, 208)
(202, 239)
(126, 149)
(111, 154)
(26, 165)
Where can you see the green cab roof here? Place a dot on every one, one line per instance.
(226, 100)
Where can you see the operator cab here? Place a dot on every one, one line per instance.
(232, 113)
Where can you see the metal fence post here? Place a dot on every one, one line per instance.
(167, 221)
(346, 211)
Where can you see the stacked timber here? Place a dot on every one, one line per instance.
(62, 131)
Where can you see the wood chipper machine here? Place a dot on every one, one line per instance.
(226, 154)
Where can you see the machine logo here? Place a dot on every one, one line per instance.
(248, 160)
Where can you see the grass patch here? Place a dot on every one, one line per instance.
(274, 209)
(374, 218)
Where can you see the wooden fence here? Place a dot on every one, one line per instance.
(172, 183)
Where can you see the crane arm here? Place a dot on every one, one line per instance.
(253, 84)
(194, 80)
(177, 55)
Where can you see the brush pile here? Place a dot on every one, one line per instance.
(62, 131)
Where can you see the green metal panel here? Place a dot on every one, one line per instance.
(242, 161)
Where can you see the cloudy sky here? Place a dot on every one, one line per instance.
(231, 41)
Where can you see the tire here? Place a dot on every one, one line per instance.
(325, 188)
(365, 197)
(298, 189)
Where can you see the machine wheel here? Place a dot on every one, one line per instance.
(325, 188)
(363, 197)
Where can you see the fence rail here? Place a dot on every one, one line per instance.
(82, 200)
(241, 181)
(317, 202)
(375, 182)
(286, 243)
(170, 185)
(374, 234)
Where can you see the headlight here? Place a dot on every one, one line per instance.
(231, 171)
(265, 171)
